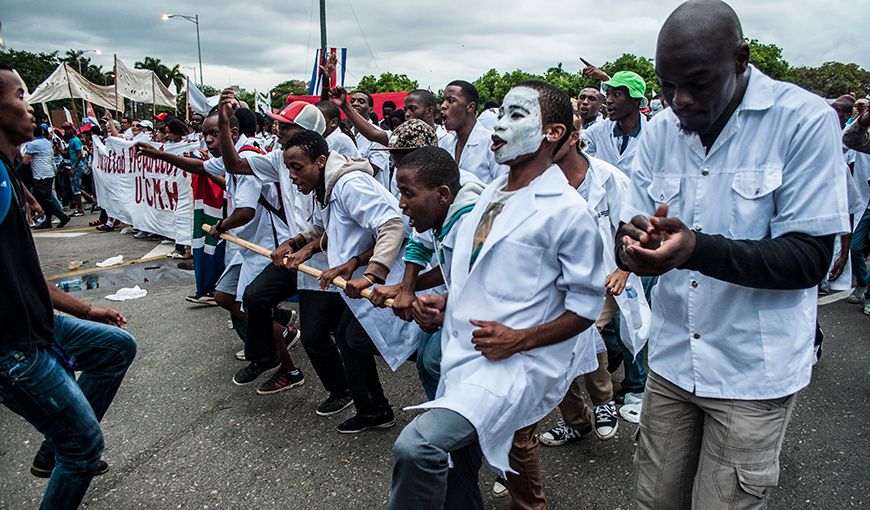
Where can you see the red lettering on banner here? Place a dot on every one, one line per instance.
(172, 194)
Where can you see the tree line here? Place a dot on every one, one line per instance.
(830, 79)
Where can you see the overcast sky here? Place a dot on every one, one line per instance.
(260, 43)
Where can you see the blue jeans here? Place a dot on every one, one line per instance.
(429, 362)
(39, 386)
(858, 249)
(75, 181)
(421, 478)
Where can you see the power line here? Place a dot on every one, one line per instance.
(352, 11)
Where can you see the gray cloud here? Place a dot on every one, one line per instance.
(258, 44)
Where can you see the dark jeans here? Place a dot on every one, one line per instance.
(42, 191)
(617, 353)
(319, 314)
(39, 387)
(358, 355)
(273, 285)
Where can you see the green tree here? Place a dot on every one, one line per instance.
(34, 68)
(287, 88)
(493, 87)
(77, 60)
(387, 82)
(833, 79)
(768, 59)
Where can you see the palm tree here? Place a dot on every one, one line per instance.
(174, 75)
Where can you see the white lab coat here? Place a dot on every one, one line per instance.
(542, 258)
(603, 145)
(606, 187)
(358, 206)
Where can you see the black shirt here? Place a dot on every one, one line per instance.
(26, 316)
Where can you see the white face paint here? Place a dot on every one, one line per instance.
(519, 124)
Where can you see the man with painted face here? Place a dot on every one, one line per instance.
(467, 140)
(736, 195)
(615, 139)
(589, 103)
(526, 277)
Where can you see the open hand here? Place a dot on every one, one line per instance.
(107, 316)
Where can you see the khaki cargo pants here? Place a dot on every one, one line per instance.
(705, 453)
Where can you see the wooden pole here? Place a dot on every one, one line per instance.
(305, 269)
(116, 87)
(72, 99)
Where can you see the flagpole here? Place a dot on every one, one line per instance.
(71, 97)
(153, 99)
(324, 91)
(115, 60)
(187, 102)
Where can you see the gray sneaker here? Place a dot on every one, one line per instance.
(857, 296)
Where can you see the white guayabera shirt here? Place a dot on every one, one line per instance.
(775, 169)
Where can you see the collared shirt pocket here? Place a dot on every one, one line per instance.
(753, 205)
(666, 190)
(508, 281)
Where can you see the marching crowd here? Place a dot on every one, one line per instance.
(519, 256)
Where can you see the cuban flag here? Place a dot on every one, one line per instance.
(314, 86)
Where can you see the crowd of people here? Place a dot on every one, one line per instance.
(518, 253)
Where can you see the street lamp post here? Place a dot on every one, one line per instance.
(195, 20)
(79, 60)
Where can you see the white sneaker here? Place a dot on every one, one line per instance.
(499, 490)
(241, 355)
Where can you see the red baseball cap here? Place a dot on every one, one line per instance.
(161, 116)
(303, 114)
(67, 124)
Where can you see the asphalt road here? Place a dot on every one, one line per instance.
(181, 435)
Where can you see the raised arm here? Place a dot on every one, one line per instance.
(233, 163)
(339, 96)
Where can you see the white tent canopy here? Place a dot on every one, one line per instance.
(66, 83)
(141, 85)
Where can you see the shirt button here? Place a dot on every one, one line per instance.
(694, 284)
(696, 336)
(455, 333)
(697, 227)
(705, 171)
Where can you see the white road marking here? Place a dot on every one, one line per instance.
(160, 249)
(58, 235)
(833, 298)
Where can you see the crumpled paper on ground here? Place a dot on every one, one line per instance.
(111, 261)
(127, 293)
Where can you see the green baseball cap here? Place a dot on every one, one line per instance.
(630, 80)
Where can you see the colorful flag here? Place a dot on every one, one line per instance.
(316, 79)
(208, 253)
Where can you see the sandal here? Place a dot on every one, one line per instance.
(95, 223)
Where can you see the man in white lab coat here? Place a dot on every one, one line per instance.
(527, 281)
(736, 195)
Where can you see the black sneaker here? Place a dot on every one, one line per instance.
(250, 372)
(336, 403)
(76, 214)
(63, 222)
(43, 463)
(360, 423)
(604, 420)
(281, 381)
(45, 225)
(563, 433)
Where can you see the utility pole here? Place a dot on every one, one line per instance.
(324, 81)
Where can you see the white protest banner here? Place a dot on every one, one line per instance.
(151, 195)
